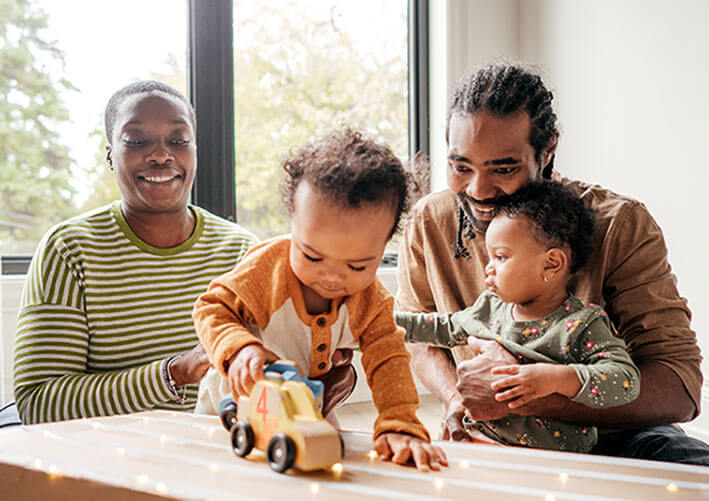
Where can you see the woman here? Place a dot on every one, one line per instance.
(104, 325)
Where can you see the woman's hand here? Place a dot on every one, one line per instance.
(401, 448)
(190, 367)
(475, 380)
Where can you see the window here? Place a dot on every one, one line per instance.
(55, 79)
(302, 68)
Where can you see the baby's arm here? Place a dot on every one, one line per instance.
(604, 376)
(531, 381)
(607, 373)
(221, 316)
(437, 329)
(398, 434)
(400, 448)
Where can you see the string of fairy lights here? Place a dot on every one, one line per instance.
(331, 479)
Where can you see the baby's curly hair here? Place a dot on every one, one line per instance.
(350, 170)
(559, 218)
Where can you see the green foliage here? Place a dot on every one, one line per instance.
(103, 186)
(298, 75)
(34, 165)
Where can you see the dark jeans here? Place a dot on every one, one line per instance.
(661, 443)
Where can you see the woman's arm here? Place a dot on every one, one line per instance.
(52, 382)
(51, 377)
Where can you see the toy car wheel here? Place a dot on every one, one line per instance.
(228, 415)
(281, 452)
(242, 438)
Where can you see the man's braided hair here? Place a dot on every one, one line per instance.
(501, 90)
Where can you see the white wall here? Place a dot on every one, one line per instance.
(10, 291)
(631, 80)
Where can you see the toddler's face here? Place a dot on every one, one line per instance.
(335, 250)
(515, 271)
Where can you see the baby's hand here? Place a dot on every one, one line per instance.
(245, 368)
(400, 448)
(525, 383)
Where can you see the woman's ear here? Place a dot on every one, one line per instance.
(109, 159)
(556, 263)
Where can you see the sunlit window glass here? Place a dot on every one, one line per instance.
(60, 61)
(302, 68)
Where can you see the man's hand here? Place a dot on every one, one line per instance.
(525, 383)
(453, 428)
(401, 448)
(190, 367)
(339, 381)
(475, 380)
(246, 367)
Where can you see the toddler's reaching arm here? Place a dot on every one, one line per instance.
(435, 329)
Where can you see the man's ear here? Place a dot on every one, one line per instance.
(549, 152)
(556, 262)
(109, 158)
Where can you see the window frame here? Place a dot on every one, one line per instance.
(419, 124)
(210, 83)
(211, 88)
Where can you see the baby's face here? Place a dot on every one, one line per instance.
(335, 250)
(515, 271)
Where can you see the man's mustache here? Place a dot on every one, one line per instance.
(490, 202)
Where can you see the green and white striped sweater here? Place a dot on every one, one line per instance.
(102, 311)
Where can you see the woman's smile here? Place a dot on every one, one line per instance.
(160, 178)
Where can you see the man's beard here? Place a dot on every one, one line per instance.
(465, 202)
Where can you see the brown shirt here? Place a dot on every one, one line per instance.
(628, 275)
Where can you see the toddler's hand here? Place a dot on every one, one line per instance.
(400, 448)
(246, 367)
(525, 383)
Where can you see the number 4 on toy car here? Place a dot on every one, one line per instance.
(261, 404)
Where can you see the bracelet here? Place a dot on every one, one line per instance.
(179, 397)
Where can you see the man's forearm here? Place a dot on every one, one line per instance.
(662, 400)
(435, 370)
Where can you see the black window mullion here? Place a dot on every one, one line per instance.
(418, 77)
(210, 81)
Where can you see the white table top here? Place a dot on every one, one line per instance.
(175, 455)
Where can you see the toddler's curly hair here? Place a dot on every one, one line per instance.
(351, 171)
(559, 218)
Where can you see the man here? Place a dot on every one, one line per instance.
(502, 134)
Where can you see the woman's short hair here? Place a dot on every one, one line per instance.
(144, 86)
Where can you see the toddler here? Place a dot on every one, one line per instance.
(538, 238)
(303, 296)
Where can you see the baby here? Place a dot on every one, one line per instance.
(538, 238)
(303, 296)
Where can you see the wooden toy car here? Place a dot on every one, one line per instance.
(282, 417)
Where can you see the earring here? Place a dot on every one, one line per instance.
(546, 279)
